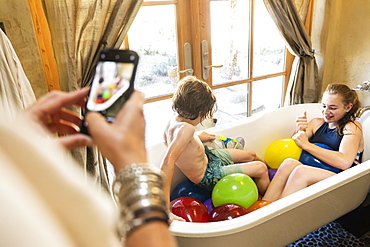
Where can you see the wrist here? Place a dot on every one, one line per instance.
(126, 160)
(138, 191)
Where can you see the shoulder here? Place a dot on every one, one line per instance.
(316, 123)
(182, 128)
(352, 128)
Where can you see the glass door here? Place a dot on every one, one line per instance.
(233, 45)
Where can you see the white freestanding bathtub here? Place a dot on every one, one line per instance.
(286, 220)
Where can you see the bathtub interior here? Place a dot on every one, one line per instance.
(290, 218)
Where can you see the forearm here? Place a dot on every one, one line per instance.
(168, 169)
(205, 137)
(156, 233)
(334, 158)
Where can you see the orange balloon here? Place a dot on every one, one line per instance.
(257, 205)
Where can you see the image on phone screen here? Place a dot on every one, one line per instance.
(111, 81)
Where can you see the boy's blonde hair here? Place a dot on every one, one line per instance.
(194, 98)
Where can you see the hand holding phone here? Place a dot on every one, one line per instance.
(112, 85)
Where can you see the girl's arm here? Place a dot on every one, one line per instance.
(342, 159)
(302, 124)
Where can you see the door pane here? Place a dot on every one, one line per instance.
(231, 103)
(230, 40)
(267, 95)
(153, 36)
(269, 46)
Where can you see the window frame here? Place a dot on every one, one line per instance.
(193, 26)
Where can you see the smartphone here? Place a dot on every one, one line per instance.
(112, 85)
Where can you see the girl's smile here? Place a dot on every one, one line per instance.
(333, 108)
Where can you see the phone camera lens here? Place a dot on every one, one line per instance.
(117, 57)
(132, 57)
(102, 56)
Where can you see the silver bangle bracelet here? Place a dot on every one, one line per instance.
(138, 191)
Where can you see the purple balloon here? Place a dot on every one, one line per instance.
(209, 204)
(272, 173)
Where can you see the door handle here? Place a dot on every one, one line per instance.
(205, 60)
(213, 66)
(187, 71)
(188, 61)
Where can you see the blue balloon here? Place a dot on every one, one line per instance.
(310, 160)
(188, 188)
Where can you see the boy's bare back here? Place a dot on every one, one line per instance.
(186, 148)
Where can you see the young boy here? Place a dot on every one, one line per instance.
(194, 101)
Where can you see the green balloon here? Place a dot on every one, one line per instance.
(237, 188)
(106, 94)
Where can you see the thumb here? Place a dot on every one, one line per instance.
(96, 123)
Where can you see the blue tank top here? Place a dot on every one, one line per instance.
(330, 138)
(327, 136)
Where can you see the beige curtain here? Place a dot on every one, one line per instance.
(289, 17)
(80, 29)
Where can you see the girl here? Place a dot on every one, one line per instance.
(337, 129)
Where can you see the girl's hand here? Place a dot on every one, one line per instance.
(300, 138)
(301, 122)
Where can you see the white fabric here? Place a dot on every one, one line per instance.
(15, 90)
(44, 197)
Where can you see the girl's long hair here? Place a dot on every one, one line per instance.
(348, 96)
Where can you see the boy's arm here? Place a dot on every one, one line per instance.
(206, 137)
(178, 144)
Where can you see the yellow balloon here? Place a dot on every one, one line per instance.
(280, 150)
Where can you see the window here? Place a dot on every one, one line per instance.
(245, 50)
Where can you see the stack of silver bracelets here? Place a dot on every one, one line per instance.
(138, 191)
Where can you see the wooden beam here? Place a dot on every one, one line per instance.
(45, 45)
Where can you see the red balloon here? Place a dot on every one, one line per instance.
(190, 209)
(257, 205)
(226, 212)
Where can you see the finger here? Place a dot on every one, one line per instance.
(75, 141)
(97, 125)
(55, 100)
(131, 117)
(304, 114)
(110, 141)
(77, 97)
(70, 116)
(133, 107)
(62, 126)
(104, 134)
(175, 217)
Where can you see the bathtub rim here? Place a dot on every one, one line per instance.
(256, 218)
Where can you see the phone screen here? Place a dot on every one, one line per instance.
(111, 81)
(112, 84)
